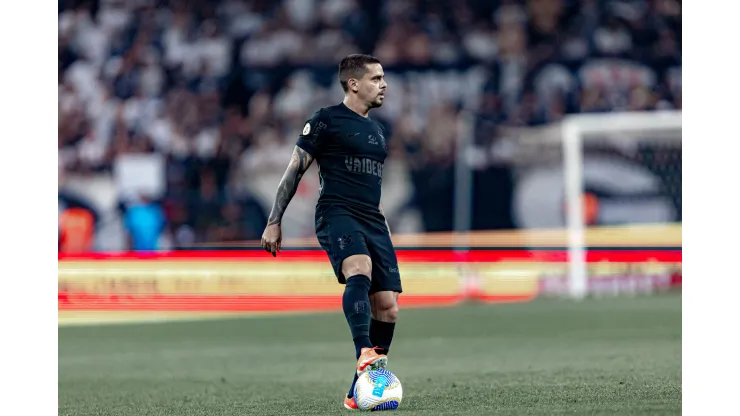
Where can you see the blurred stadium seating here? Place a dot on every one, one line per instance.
(190, 109)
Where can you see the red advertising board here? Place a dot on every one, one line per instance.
(250, 281)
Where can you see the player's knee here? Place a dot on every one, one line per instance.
(391, 314)
(357, 265)
(386, 309)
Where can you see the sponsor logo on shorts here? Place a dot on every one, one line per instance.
(344, 241)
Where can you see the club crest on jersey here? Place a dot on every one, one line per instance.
(307, 129)
(372, 139)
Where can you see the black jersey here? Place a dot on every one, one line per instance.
(350, 151)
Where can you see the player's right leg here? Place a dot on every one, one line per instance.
(344, 242)
(357, 310)
(384, 311)
(384, 291)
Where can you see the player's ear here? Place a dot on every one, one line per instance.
(353, 84)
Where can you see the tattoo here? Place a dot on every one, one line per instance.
(299, 163)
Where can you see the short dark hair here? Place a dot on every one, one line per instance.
(354, 66)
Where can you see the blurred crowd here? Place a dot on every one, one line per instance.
(219, 89)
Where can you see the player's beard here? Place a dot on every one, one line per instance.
(376, 103)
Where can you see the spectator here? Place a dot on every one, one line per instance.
(221, 88)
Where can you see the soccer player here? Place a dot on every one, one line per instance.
(350, 149)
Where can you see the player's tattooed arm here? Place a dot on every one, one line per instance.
(299, 163)
(380, 207)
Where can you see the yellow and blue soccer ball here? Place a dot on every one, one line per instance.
(378, 390)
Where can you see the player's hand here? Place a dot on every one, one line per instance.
(271, 239)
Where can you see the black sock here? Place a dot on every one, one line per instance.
(356, 305)
(381, 335)
(351, 392)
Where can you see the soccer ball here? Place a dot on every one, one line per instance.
(378, 390)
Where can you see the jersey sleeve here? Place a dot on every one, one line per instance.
(314, 133)
(384, 131)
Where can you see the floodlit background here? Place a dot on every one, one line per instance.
(198, 104)
(535, 152)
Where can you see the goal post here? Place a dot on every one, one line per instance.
(576, 130)
(574, 180)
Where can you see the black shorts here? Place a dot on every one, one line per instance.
(342, 236)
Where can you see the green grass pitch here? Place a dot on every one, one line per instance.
(596, 357)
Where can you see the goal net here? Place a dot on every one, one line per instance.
(620, 170)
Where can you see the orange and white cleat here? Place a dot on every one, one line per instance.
(350, 403)
(370, 360)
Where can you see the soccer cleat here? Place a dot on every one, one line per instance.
(350, 403)
(370, 360)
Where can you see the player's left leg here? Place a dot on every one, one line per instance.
(384, 312)
(384, 291)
